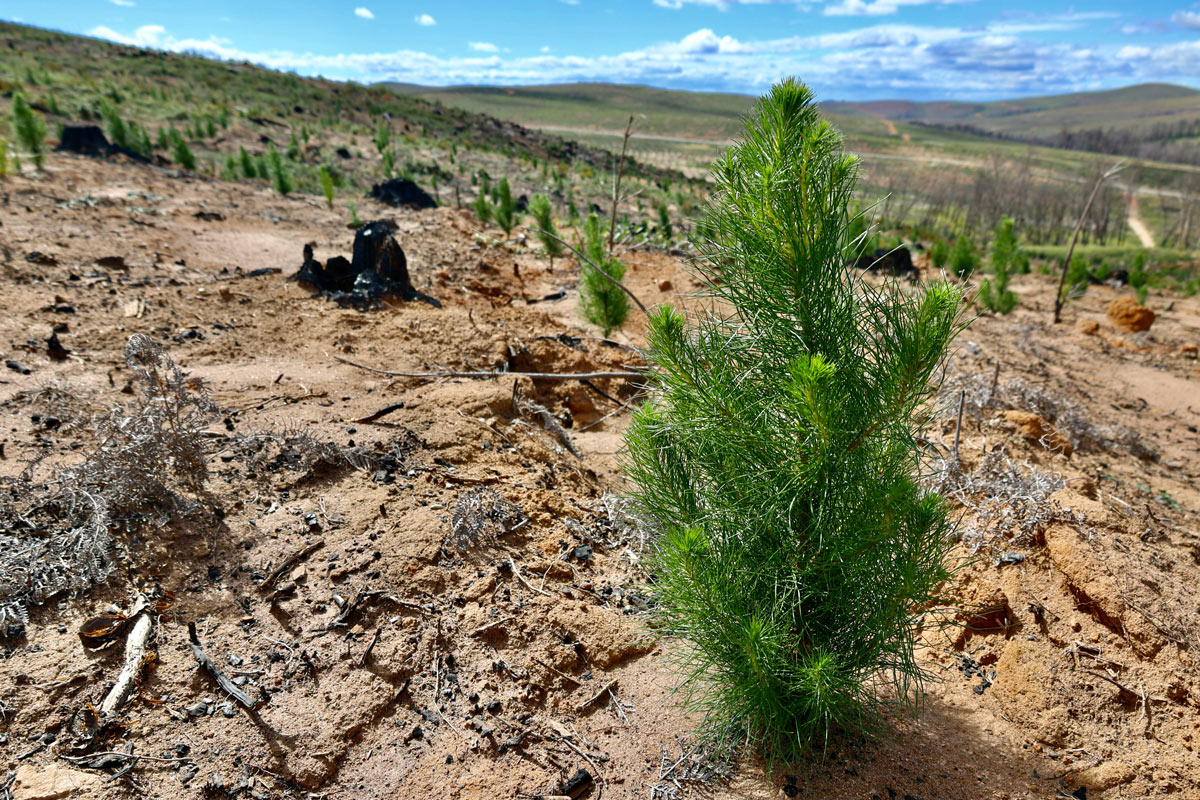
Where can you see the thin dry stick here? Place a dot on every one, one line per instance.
(1104, 176)
(541, 376)
(521, 578)
(962, 397)
(616, 192)
(596, 267)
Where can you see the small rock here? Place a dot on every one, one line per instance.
(665, 285)
(53, 782)
(199, 709)
(1088, 327)
(299, 575)
(234, 660)
(495, 707)
(228, 709)
(17, 366)
(1189, 351)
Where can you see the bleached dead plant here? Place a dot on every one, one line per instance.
(148, 467)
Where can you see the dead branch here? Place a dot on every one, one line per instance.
(135, 651)
(290, 562)
(605, 689)
(210, 666)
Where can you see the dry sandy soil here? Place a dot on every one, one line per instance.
(402, 659)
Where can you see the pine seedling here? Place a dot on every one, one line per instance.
(602, 302)
(994, 294)
(505, 212)
(352, 207)
(963, 259)
(281, 179)
(30, 129)
(939, 254)
(543, 217)
(114, 126)
(231, 169)
(3, 158)
(163, 141)
(327, 185)
(664, 222)
(383, 137)
(797, 554)
(247, 164)
(293, 148)
(483, 208)
(182, 154)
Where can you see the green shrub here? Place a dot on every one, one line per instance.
(30, 129)
(247, 164)
(964, 258)
(602, 302)
(1005, 257)
(1077, 280)
(939, 253)
(383, 137)
(505, 212)
(798, 553)
(231, 169)
(281, 179)
(3, 158)
(665, 229)
(483, 208)
(293, 148)
(327, 185)
(163, 141)
(389, 163)
(543, 216)
(182, 154)
(352, 207)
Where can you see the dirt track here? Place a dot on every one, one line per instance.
(1076, 661)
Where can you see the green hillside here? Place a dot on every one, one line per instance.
(1130, 108)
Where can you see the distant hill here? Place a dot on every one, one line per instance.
(1153, 121)
(599, 106)
(1131, 108)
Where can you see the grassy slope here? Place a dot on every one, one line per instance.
(68, 78)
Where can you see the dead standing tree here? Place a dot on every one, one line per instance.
(1062, 278)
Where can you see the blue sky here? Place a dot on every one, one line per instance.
(846, 49)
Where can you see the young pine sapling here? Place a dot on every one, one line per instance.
(602, 301)
(798, 556)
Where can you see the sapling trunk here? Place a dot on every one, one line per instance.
(797, 552)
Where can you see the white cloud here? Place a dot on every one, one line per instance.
(365, 13)
(571, 2)
(483, 47)
(123, 3)
(874, 8)
(425, 20)
(885, 60)
(145, 36)
(545, 49)
(1187, 19)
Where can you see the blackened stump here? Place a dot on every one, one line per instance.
(87, 140)
(401, 192)
(378, 269)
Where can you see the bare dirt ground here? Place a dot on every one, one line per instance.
(468, 620)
